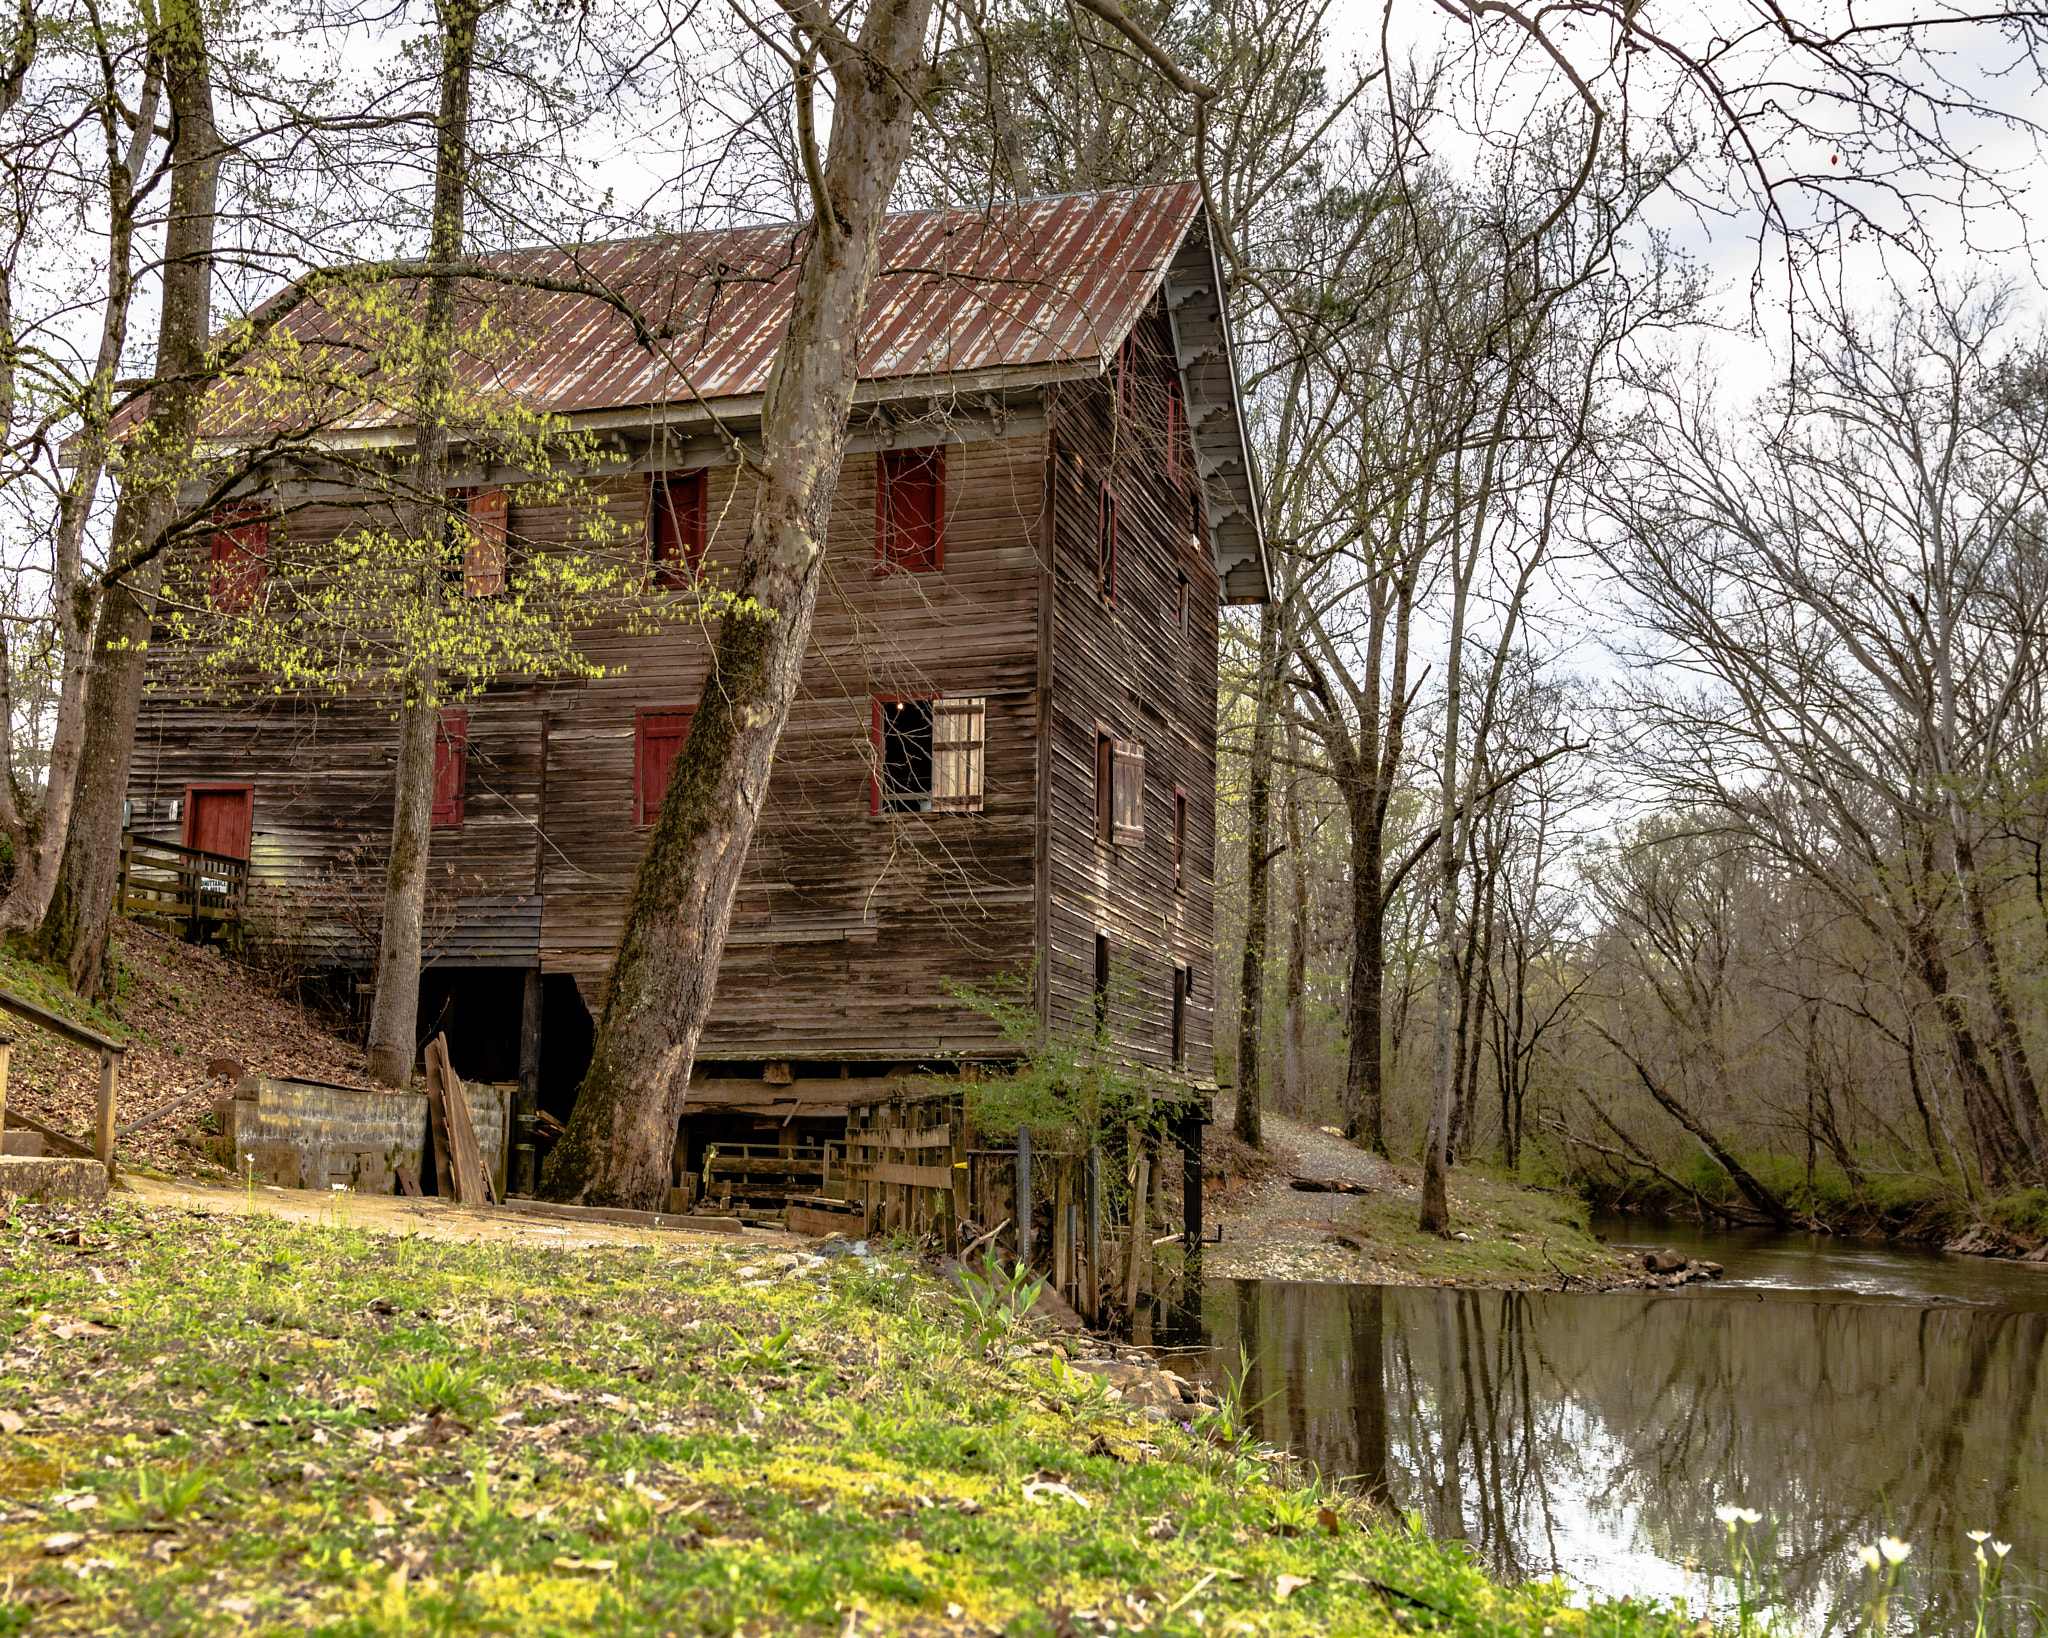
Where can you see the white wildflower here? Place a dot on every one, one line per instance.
(1868, 1555)
(1894, 1550)
(1979, 1536)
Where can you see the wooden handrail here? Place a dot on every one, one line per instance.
(76, 1034)
(111, 1054)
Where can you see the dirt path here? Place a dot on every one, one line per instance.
(432, 1219)
(1274, 1231)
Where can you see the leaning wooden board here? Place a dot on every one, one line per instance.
(472, 1182)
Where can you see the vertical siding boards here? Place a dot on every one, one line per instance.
(1125, 667)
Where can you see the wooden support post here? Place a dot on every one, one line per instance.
(1091, 1289)
(1134, 1261)
(956, 1202)
(103, 1134)
(1024, 1197)
(1062, 1245)
(523, 1172)
(6, 1058)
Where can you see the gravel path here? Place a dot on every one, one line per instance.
(1274, 1231)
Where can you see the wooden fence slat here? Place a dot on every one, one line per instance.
(890, 1171)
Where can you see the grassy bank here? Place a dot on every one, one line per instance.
(1503, 1234)
(230, 1423)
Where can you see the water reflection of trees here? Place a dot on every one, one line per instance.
(1539, 1427)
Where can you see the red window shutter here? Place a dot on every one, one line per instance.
(451, 767)
(1130, 793)
(483, 549)
(910, 511)
(658, 737)
(678, 526)
(240, 549)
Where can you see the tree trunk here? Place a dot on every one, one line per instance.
(2005, 1026)
(75, 927)
(1296, 1020)
(1364, 1073)
(394, 1013)
(1251, 982)
(617, 1145)
(1992, 1132)
(75, 598)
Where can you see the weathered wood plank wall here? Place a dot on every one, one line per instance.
(1123, 666)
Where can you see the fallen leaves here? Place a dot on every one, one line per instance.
(1286, 1585)
(598, 1566)
(64, 1541)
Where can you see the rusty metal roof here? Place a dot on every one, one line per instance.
(1039, 282)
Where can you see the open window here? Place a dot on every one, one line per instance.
(484, 513)
(657, 740)
(1105, 543)
(1101, 979)
(1105, 786)
(240, 549)
(1181, 979)
(910, 511)
(678, 523)
(1127, 377)
(929, 754)
(451, 767)
(1181, 600)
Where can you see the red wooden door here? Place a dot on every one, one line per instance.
(217, 820)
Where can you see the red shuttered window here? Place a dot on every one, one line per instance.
(910, 511)
(679, 524)
(484, 513)
(240, 549)
(451, 767)
(657, 739)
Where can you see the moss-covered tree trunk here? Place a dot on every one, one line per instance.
(157, 459)
(394, 1010)
(616, 1148)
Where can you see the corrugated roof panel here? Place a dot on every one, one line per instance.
(1045, 281)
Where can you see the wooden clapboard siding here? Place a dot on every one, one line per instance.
(849, 924)
(1125, 667)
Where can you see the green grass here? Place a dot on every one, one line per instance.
(1517, 1233)
(274, 1428)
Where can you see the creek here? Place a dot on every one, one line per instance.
(1845, 1391)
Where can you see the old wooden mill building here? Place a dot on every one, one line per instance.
(1003, 759)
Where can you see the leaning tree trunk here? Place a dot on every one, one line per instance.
(617, 1145)
(1251, 983)
(394, 1012)
(158, 457)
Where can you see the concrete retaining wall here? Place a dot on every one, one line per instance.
(307, 1136)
